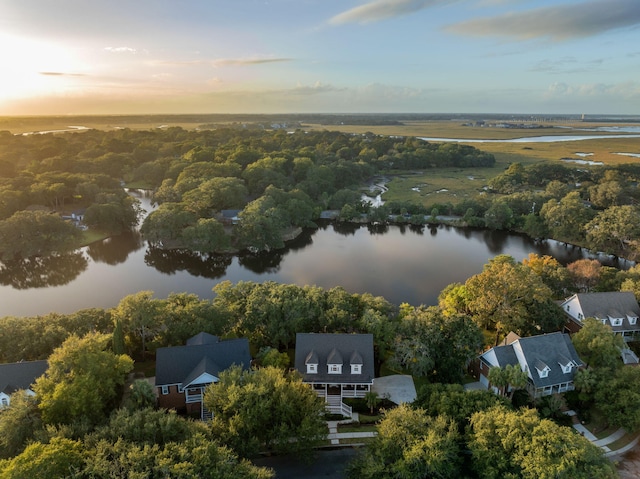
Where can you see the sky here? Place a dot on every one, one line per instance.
(71, 57)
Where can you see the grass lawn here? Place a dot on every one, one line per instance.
(91, 236)
(623, 441)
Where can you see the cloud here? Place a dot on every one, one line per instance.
(558, 23)
(383, 10)
(625, 91)
(61, 74)
(223, 62)
(566, 65)
(121, 50)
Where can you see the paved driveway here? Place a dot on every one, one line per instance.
(398, 388)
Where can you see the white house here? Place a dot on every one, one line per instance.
(550, 361)
(336, 366)
(617, 309)
(19, 376)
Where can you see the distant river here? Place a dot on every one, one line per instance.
(400, 263)
(531, 139)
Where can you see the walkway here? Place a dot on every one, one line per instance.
(605, 441)
(335, 437)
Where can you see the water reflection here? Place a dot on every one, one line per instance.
(196, 264)
(263, 263)
(42, 271)
(116, 249)
(345, 229)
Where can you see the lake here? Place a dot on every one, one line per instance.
(401, 263)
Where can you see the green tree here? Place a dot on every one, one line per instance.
(508, 379)
(506, 296)
(598, 345)
(61, 457)
(139, 315)
(19, 422)
(265, 409)
(30, 233)
(141, 395)
(617, 396)
(518, 444)
(83, 381)
(614, 230)
(566, 218)
(433, 345)
(410, 444)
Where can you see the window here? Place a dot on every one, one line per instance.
(312, 369)
(567, 369)
(356, 369)
(5, 401)
(580, 316)
(616, 322)
(165, 390)
(632, 320)
(335, 368)
(568, 307)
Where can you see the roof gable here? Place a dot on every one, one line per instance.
(546, 352)
(16, 376)
(334, 349)
(184, 364)
(610, 305)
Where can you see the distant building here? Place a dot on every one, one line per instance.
(184, 372)
(19, 376)
(550, 361)
(336, 366)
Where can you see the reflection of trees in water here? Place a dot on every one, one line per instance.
(265, 262)
(42, 271)
(417, 229)
(116, 249)
(169, 261)
(377, 229)
(433, 230)
(345, 228)
(303, 240)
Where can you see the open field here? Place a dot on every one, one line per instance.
(426, 187)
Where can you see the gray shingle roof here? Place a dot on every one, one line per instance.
(615, 304)
(549, 349)
(182, 364)
(343, 345)
(545, 350)
(15, 376)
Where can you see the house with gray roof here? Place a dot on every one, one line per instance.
(550, 361)
(336, 366)
(617, 309)
(183, 372)
(19, 376)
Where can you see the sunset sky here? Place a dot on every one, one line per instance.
(277, 56)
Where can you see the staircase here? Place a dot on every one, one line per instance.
(629, 357)
(335, 405)
(205, 414)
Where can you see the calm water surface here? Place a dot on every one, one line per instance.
(400, 263)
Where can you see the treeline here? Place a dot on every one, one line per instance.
(592, 207)
(280, 180)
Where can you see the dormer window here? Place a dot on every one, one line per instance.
(616, 321)
(334, 362)
(632, 320)
(356, 363)
(312, 362)
(604, 320)
(543, 369)
(565, 363)
(356, 369)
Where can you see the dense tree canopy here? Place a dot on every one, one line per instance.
(410, 444)
(265, 409)
(91, 390)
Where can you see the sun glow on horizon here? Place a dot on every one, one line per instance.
(35, 68)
